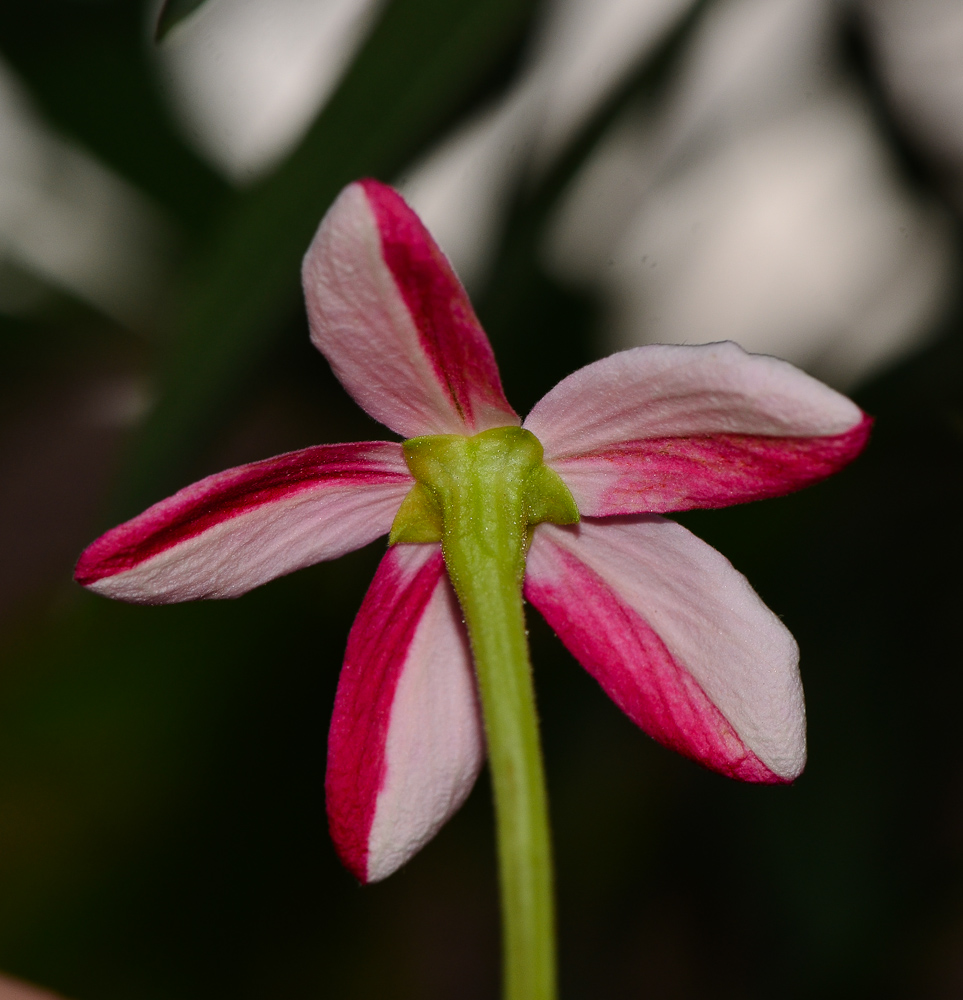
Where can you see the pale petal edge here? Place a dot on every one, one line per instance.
(232, 531)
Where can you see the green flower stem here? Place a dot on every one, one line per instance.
(489, 591)
(482, 495)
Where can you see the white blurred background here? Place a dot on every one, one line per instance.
(753, 198)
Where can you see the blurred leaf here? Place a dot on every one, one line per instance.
(419, 64)
(88, 74)
(171, 14)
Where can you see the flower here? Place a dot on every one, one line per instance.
(669, 629)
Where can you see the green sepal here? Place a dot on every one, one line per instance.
(418, 518)
(547, 498)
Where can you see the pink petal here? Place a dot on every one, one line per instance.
(660, 475)
(406, 742)
(391, 317)
(665, 428)
(678, 639)
(14, 989)
(240, 528)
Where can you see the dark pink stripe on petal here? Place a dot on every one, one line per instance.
(377, 649)
(634, 667)
(450, 334)
(661, 475)
(227, 495)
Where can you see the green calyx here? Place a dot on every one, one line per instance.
(460, 476)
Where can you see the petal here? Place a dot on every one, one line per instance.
(406, 741)
(660, 475)
(678, 639)
(15, 989)
(664, 428)
(240, 528)
(391, 317)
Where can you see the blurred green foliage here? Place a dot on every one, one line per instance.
(162, 830)
(417, 67)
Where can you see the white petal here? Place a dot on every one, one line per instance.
(679, 391)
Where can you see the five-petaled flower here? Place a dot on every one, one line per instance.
(664, 623)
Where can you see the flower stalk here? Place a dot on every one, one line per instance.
(492, 605)
(481, 497)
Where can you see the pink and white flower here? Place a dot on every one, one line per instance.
(669, 629)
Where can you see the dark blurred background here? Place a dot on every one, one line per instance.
(785, 173)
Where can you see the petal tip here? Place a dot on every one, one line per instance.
(99, 562)
(783, 773)
(84, 572)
